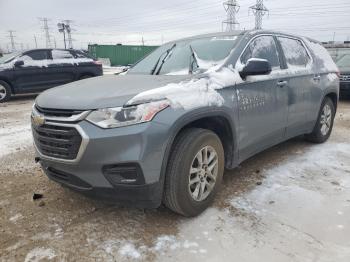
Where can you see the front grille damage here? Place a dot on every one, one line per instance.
(57, 141)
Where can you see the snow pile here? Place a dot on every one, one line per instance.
(193, 93)
(166, 242)
(38, 254)
(13, 138)
(129, 250)
(323, 59)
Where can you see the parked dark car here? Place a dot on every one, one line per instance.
(165, 131)
(36, 70)
(344, 66)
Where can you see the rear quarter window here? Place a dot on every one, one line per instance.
(294, 52)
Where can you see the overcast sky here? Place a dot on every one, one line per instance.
(157, 21)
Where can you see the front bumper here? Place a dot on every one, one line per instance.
(345, 88)
(142, 145)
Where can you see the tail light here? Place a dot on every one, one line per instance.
(96, 62)
(338, 73)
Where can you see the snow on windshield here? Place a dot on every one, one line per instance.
(193, 93)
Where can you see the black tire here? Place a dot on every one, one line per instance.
(317, 136)
(85, 77)
(5, 92)
(188, 143)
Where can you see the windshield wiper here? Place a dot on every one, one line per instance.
(167, 52)
(194, 61)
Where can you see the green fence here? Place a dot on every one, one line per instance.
(120, 54)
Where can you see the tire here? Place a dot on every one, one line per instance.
(5, 92)
(179, 196)
(84, 77)
(324, 124)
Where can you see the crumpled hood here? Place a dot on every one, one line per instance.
(102, 92)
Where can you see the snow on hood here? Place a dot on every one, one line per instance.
(194, 93)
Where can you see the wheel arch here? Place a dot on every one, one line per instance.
(334, 97)
(214, 121)
(9, 83)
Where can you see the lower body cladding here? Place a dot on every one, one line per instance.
(121, 165)
(345, 89)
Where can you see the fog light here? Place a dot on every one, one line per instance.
(124, 174)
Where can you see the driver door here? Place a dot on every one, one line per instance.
(262, 101)
(33, 75)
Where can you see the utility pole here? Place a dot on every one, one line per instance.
(12, 39)
(36, 43)
(231, 8)
(259, 10)
(46, 31)
(69, 32)
(143, 41)
(54, 42)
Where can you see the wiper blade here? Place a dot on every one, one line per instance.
(167, 52)
(194, 61)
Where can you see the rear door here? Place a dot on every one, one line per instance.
(300, 80)
(63, 66)
(262, 100)
(33, 75)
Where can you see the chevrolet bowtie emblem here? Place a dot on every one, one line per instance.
(38, 120)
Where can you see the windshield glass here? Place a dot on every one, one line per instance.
(8, 57)
(344, 62)
(175, 58)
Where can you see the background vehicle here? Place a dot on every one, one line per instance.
(165, 131)
(344, 66)
(36, 70)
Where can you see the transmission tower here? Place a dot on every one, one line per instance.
(12, 40)
(69, 33)
(231, 8)
(259, 10)
(46, 31)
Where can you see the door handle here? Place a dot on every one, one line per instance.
(317, 78)
(282, 83)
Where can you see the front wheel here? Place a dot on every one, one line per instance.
(5, 92)
(194, 172)
(324, 124)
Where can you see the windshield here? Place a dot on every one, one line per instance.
(176, 58)
(8, 57)
(344, 62)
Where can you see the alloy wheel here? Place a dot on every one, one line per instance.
(326, 119)
(3, 92)
(203, 173)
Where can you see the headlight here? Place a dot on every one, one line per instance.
(125, 116)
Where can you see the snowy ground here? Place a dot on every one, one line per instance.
(290, 203)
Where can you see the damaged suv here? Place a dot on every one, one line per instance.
(165, 131)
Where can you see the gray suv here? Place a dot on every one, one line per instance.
(165, 130)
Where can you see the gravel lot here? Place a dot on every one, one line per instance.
(289, 203)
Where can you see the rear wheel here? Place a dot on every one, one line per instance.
(84, 77)
(5, 92)
(194, 172)
(324, 125)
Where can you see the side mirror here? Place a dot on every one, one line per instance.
(19, 63)
(255, 67)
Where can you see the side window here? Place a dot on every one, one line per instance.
(61, 54)
(35, 55)
(295, 52)
(263, 47)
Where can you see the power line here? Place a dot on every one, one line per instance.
(259, 10)
(12, 40)
(231, 8)
(46, 31)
